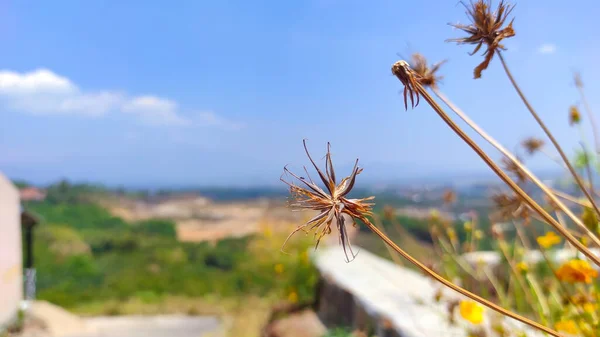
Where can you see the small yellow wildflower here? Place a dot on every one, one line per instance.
(585, 240)
(304, 258)
(590, 308)
(574, 115)
(471, 311)
(451, 234)
(522, 267)
(576, 271)
(468, 226)
(434, 214)
(590, 219)
(567, 326)
(293, 297)
(279, 268)
(478, 234)
(548, 240)
(268, 232)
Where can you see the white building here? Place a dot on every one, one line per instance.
(11, 270)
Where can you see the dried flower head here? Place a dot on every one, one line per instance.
(532, 145)
(512, 167)
(331, 203)
(410, 79)
(574, 115)
(389, 213)
(427, 76)
(486, 28)
(449, 197)
(510, 207)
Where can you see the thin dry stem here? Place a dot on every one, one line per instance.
(579, 85)
(458, 289)
(406, 73)
(549, 134)
(548, 191)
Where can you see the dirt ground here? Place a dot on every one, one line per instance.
(200, 219)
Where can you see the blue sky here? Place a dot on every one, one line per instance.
(223, 92)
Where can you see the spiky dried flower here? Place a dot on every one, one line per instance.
(510, 207)
(449, 197)
(331, 203)
(486, 28)
(574, 115)
(427, 75)
(510, 166)
(409, 78)
(532, 145)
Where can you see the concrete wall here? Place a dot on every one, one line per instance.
(11, 273)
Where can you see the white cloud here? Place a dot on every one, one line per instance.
(154, 110)
(209, 118)
(42, 92)
(37, 81)
(547, 48)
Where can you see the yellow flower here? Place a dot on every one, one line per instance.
(522, 267)
(471, 311)
(478, 234)
(590, 308)
(548, 240)
(268, 232)
(304, 257)
(278, 268)
(451, 234)
(574, 115)
(585, 240)
(568, 326)
(575, 271)
(468, 226)
(293, 297)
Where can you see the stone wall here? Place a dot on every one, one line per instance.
(11, 273)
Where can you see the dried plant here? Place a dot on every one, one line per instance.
(331, 203)
(485, 28)
(532, 145)
(512, 167)
(427, 76)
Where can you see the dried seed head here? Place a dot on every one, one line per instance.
(532, 145)
(389, 213)
(513, 168)
(485, 28)
(426, 75)
(551, 204)
(574, 115)
(410, 79)
(331, 203)
(449, 197)
(510, 207)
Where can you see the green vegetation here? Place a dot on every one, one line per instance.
(86, 257)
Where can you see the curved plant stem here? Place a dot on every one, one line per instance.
(591, 115)
(549, 134)
(505, 178)
(458, 289)
(508, 154)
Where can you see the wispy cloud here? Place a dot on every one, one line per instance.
(547, 48)
(42, 92)
(154, 110)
